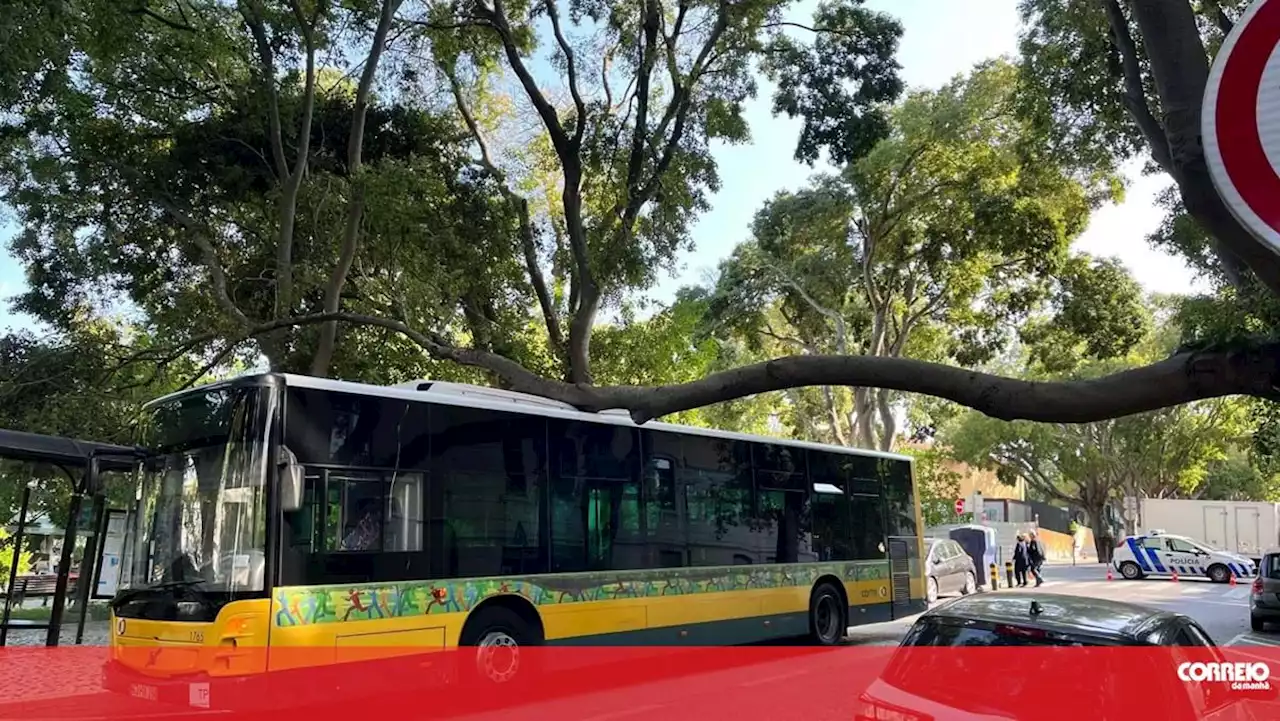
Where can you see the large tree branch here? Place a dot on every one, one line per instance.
(676, 115)
(842, 346)
(290, 178)
(1180, 67)
(521, 206)
(1220, 17)
(568, 150)
(1135, 96)
(1182, 378)
(553, 12)
(356, 203)
(648, 50)
(251, 12)
(213, 264)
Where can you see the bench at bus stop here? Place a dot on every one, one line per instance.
(43, 587)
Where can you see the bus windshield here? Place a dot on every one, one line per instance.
(201, 519)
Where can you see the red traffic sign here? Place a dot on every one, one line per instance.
(1240, 121)
(959, 506)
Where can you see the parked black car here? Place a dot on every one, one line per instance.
(948, 569)
(1081, 659)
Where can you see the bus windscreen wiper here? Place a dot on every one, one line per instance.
(129, 594)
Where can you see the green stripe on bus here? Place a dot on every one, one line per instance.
(307, 605)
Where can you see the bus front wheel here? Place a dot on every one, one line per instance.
(493, 641)
(827, 624)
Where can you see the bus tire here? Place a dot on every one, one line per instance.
(498, 633)
(827, 616)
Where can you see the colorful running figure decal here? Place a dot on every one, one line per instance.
(302, 606)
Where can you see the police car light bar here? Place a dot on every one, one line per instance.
(1156, 532)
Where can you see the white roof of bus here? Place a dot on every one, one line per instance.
(462, 394)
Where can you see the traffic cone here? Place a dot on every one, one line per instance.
(1175, 576)
(1233, 579)
(1108, 573)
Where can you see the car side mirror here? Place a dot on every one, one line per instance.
(292, 477)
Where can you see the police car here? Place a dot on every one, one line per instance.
(1160, 554)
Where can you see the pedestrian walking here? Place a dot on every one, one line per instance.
(1035, 550)
(1021, 561)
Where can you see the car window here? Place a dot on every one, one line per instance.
(956, 550)
(990, 690)
(1184, 637)
(929, 632)
(1272, 565)
(1177, 545)
(1198, 635)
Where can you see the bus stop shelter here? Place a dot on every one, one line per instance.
(82, 462)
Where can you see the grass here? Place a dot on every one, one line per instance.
(97, 612)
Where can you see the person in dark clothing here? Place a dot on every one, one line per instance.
(1021, 560)
(1035, 550)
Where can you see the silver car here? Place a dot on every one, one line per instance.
(1264, 597)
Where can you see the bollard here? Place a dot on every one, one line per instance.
(1008, 572)
(995, 578)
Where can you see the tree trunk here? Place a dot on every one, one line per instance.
(1103, 543)
(888, 424)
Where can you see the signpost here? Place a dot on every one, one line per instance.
(959, 506)
(1240, 121)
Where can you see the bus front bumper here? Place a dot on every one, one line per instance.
(272, 692)
(191, 694)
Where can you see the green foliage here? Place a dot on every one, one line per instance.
(6, 558)
(1182, 451)
(837, 85)
(149, 151)
(78, 385)
(1071, 87)
(950, 234)
(1099, 313)
(1074, 90)
(671, 347)
(1237, 478)
(938, 487)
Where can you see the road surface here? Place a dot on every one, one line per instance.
(785, 685)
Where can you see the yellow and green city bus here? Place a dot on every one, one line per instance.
(285, 513)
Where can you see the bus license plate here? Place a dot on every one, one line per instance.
(144, 691)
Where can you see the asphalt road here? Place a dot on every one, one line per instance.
(1222, 610)
(786, 684)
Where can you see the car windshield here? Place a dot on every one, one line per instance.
(201, 514)
(932, 633)
(981, 683)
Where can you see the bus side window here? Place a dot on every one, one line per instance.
(831, 527)
(867, 523)
(362, 511)
(662, 479)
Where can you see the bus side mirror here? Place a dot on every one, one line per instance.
(291, 481)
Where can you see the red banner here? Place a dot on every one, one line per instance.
(605, 684)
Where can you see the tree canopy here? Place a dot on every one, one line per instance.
(304, 180)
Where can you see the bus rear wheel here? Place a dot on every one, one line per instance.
(827, 611)
(493, 641)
